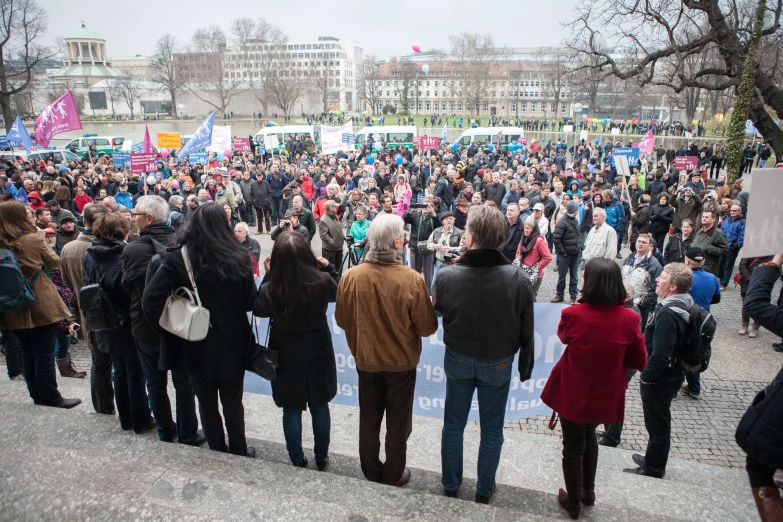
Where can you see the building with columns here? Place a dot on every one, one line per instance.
(87, 61)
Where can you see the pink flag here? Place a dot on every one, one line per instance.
(147, 142)
(648, 142)
(60, 116)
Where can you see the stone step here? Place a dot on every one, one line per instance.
(528, 478)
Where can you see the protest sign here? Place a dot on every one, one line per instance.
(764, 226)
(568, 128)
(240, 144)
(425, 143)
(221, 139)
(615, 131)
(332, 137)
(583, 135)
(198, 158)
(121, 159)
(632, 153)
(686, 162)
(524, 398)
(143, 163)
(169, 140)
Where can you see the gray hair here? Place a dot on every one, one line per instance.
(629, 289)
(154, 206)
(600, 211)
(192, 197)
(242, 226)
(334, 186)
(530, 222)
(384, 229)
(680, 276)
(487, 226)
(176, 200)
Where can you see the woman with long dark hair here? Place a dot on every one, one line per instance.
(592, 367)
(295, 293)
(225, 284)
(103, 264)
(35, 325)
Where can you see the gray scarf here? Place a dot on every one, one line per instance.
(681, 305)
(384, 257)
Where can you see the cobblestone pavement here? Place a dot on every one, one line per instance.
(702, 430)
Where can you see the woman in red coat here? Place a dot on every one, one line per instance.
(587, 385)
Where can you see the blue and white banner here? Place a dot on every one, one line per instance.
(349, 138)
(750, 128)
(19, 135)
(632, 153)
(524, 399)
(198, 158)
(138, 148)
(121, 159)
(201, 139)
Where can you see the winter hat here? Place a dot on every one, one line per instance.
(572, 207)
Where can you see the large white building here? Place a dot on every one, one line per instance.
(341, 61)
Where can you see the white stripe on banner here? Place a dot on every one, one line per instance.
(524, 399)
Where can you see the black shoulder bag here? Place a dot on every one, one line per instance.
(260, 359)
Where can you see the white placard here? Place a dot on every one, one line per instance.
(615, 131)
(568, 128)
(583, 135)
(332, 138)
(621, 164)
(221, 139)
(126, 145)
(764, 226)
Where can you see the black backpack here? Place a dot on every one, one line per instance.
(155, 261)
(694, 357)
(99, 312)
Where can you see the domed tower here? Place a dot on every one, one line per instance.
(86, 62)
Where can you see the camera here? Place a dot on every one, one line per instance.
(418, 205)
(285, 223)
(349, 240)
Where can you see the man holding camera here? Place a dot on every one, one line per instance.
(290, 222)
(332, 239)
(423, 222)
(687, 205)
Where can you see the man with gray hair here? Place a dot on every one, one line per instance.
(152, 215)
(385, 310)
(601, 240)
(176, 212)
(480, 355)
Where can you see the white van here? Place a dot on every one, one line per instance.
(391, 135)
(103, 144)
(277, 136)
(487, 135)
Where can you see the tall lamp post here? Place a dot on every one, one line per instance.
(180, 109)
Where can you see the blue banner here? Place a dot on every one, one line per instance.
(632, 153)
(750, 128)
(137, 148)
(349, 138)
(524, 399)
(260, 150)
(121, 159)
(201, 139)
(198, 158)
(19, 135)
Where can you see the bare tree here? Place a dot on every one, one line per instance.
(405, 81)
(473, 57)
(130, 91)
(217, 86)
(325, 82)
(164, 71)
(286, 88)
(113, 94)
(661, 36)
(21, 52)
(370, 83)
(554, 78)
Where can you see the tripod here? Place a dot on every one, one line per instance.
(350, 257)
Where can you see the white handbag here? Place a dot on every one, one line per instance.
(183, 314)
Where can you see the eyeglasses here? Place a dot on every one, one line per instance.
(134, 214)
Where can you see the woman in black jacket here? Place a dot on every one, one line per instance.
(225, 284)
(761, 428)
(661, 216)
(746, 266)
(295, 293)
(679, 243)
(103, 264)
(640, 220)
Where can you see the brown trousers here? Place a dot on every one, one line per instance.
(392, 393)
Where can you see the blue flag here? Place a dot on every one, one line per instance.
(200, 140)
(137, 148)
(19, 135)
(443, 134)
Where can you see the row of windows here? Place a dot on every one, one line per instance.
(492, 94)
(495, 84)
(427, 105)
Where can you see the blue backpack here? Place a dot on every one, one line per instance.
(16, 291)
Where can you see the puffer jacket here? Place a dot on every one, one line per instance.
(640, 222)
(566, 238)
(642, 277)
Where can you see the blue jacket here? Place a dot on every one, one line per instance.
(734, 230)
(277, 185)
(124, 198)
(705, 289)
(615, 214)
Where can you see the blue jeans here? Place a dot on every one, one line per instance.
(38, 363)
(62, 344)
(727, 265)
(292, 429)
(129, 393)
(464, 375)
(568, 264)
(13, 354)
(277, 210)
(186, 427)
(694, 382)
(438, 265)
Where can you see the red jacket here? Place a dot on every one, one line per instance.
(588, 383)
(538, 254)
(308, 189)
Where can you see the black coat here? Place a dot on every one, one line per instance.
(306, 372)
(220, 355)
(661, 218)
(510, 245)
(566, 238)
(103, 263)
(421, 227)
(676, 247)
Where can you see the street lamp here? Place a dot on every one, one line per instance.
(180, 109)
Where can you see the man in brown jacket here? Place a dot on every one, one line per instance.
(72, 268)
(385, 310)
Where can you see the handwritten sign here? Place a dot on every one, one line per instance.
(143, 163)
(169, 140)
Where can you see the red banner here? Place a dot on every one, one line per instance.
(143, 163)
(686, 162)
(240, 144)
(425, 143)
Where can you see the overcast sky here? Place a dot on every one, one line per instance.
(385, 29)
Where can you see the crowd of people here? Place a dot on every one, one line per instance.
(464, 232)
